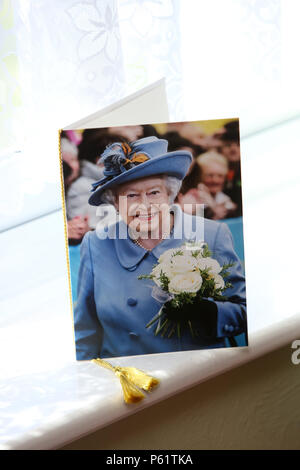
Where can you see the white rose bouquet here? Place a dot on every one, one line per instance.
(187, 280)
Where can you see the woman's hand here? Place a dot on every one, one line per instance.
(220, 211)
(189, 201)
(204, 196)
(77, 227)
(203, 313)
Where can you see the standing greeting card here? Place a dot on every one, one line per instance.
(155, 237)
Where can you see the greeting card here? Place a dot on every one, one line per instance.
(154, 232)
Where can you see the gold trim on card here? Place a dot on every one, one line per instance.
(66, 231)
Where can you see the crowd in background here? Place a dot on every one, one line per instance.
(213, 180)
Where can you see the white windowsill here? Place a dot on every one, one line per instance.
(53, 408)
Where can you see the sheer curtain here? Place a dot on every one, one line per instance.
(239, 60)
(70, 64)
(74, 58)
(151, 41)
(64, 59)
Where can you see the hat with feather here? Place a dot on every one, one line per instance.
(124, 162)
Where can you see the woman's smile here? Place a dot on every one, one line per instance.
(147, 217)
(147, 222)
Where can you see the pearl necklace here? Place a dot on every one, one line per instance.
(164, 236)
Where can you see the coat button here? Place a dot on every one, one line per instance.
(228, 328)
(131, 301)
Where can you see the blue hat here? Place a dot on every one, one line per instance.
(145, 157)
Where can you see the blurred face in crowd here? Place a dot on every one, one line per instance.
(143, 204)
(231, 151)
(130, 133)
(72, 160)
(213, 176)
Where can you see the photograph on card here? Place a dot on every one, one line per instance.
(154, 229)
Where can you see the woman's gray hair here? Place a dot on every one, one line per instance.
(108, 197)
(173, 186)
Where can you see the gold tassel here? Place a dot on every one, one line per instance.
(131, 393)
(139, 378)
(132, 380)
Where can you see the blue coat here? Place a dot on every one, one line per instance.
(113, 306)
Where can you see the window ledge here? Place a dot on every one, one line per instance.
(49, 409)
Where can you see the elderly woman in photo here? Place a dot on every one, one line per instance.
(214, 169)
(209, 191)
(113, 307)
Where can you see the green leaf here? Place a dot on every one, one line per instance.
(164, 280)
(206, 253)
(191, 328)
(161, 327)
(165, 328)
(196, 253)
(177, 253)
(224, 271)
(155, 318)
(158, 325)
(171, 332)
(146, 276)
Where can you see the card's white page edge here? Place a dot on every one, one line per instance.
(102, 118)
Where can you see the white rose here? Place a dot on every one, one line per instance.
(219, 281)
(209, 263)
(158, 269)
(167, 255)
(183, 263)
(187, 282)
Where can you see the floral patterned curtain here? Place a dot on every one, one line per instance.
(61, 60)
(76, 57)
(10, 92)
(151, 41)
